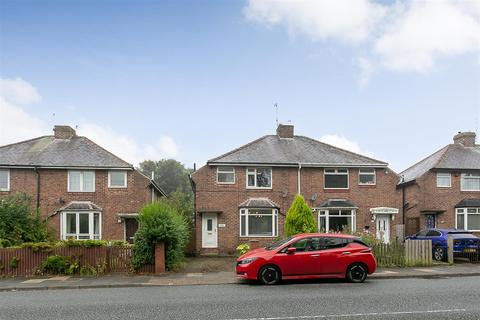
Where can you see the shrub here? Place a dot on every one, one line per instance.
(242, 249)
(84, 243)
(299, 218)
(56, 265)
(159, 222)
(18, 223)
(14, 262)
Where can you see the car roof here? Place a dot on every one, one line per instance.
(447, 230)
(334, 235)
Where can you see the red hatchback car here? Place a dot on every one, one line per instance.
(310, 255)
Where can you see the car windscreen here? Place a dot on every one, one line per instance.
(278, 243)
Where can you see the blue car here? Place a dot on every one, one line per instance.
(464, 242)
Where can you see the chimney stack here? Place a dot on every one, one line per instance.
(285, 131)
(466, 139)
(64, 132)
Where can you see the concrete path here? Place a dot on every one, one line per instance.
(209, 278)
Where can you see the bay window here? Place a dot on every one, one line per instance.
(80, 225)
(366, 176)
(336, 220)
(81, 181)
(467, 218)
(258, 222)
(335, 178)
(470, 182)
(259, 178)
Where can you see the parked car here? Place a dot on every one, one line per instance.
(464, 242)
(312, 255)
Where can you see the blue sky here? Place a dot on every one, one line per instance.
(194, 79)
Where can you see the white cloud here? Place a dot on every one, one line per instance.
(16, 125)
(408, 35)
(347, 20)
(344, 143)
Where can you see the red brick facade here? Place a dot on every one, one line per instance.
(225, 200)
(54, 195)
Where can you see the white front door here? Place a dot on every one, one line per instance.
(209, 230)
(383, 228)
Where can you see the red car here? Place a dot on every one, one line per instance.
(310, 255)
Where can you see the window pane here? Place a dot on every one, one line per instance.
(469, 183)
(339, 224)
(336, 181)
(368, 178)
(83, 222)
(322, 227)
(301, 245)
(333, 243)
(3, 179)
(264, 178)
(471, 210)
(473, 222)
(460, 221)
(260, 225)
(242, 225)
(88, 181)
(370, 170)
(251, 180)
(74, 181)
(117, 178)
(71, 223)
(209, 224)
(96, 223)
(226, 177)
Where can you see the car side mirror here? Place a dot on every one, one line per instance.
(291, 250)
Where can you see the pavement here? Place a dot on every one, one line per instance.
(209, 278)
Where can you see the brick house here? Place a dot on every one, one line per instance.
(83, 190)
(443, 190)
(243, 195)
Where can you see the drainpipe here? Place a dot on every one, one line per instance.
(38, 186)
(298, 178)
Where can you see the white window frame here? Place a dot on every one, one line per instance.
(91, 234)
(335, 172)
(125, 174)
(327, 215)
(255, 173)
(8, 180)
(245, 212)
(444, 175)
(367, 173)
(81, 180)
(465, 213)
(225, 170)
(464, 176)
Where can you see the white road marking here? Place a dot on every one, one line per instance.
(352, 315)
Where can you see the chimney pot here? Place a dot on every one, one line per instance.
(285, 131)
(466, 139)
(64, 132)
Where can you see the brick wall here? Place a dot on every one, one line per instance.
(213, 197)
(54, 195)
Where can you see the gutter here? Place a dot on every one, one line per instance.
(313, 165)
(38, 186)
(299, 178)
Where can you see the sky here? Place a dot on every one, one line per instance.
(191, 80)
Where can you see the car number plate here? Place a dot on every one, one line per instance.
(469, 250)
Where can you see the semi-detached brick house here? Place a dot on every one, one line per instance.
(83, 190)
(243, 195)
(443, 190)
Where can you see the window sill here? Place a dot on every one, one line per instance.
(81, 192)
(225, 183)
(247, 237)
(466, 191)
(257, 188)
(367, 185)
(336, 190)
(110, 187)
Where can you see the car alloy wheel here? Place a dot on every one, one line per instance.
(357, 273)
(438, 254)
(269, 275)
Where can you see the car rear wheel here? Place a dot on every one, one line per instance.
(357, 273)
(269, 275)
(438, 253)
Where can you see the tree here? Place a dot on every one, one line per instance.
(169, 174)
(19, 223)
(299, 218)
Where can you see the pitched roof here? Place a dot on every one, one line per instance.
(468, 203)
(272, 150)
(80, 206)
(452, 156)
(258, 203)
(47, 151)
(337, 203)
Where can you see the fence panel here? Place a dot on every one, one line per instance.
(389, 254)
(418, 252)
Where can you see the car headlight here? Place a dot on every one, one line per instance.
(247, 261)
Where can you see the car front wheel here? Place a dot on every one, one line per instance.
(269, 275)
(357, 273)
(438, 254)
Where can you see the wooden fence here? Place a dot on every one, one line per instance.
(403, 254)
(25, 262)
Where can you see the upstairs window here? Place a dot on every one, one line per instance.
(444, 180)
(81, 181)
(366, 177)
(470, 182)
(117, 179)
(225, 175)
(259, 178)
(336, 178)
(4, 180)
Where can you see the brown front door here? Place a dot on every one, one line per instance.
(413, 226)
(131, 227)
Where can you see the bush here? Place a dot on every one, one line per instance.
(18, 223)
(299, 218)
(84, 243)
(159, 222)
(57, 265)
(242, 249)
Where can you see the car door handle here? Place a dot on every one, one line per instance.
(346, 252)
(315, 255)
